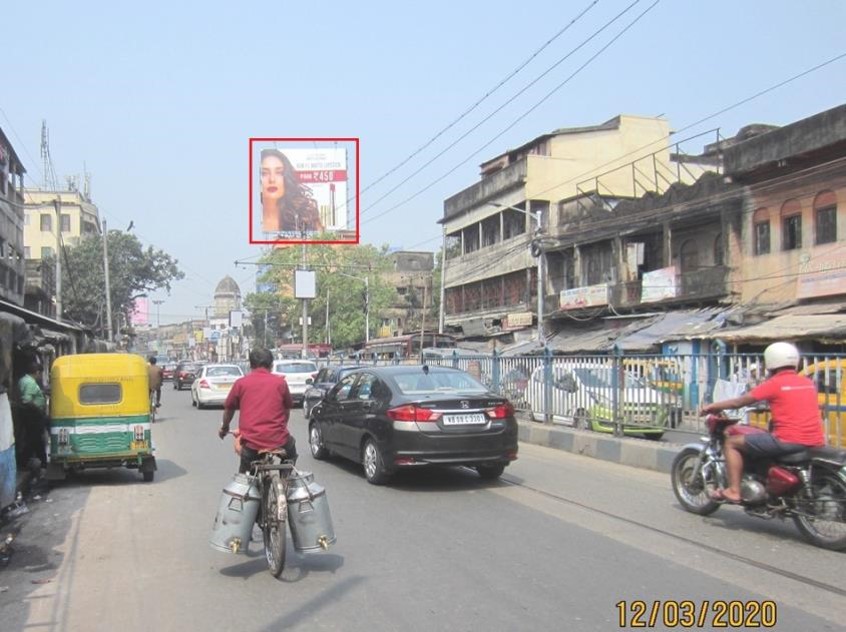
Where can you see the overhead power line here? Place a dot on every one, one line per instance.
(521, 117)
(594, 170)
(490, 92)
(506, 103)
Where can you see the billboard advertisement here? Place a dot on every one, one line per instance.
(588, 296)
(140, 312)
(301, 190)
(659, 285)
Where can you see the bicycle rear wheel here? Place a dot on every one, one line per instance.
(274, 529)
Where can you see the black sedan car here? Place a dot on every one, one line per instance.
(326, 378)
(184, 374)
(406, 416)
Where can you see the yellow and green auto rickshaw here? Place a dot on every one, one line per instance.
(100, 414)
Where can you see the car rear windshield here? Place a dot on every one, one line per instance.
(223, 371)
(296, 367)
(189, 367)
(447, 382)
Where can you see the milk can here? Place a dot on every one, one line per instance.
(308, 513)
(236, 514)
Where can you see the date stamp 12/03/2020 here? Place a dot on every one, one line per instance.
(689, 614)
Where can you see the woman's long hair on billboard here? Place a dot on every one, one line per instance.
(297, 208)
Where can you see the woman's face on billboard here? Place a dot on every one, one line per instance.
(272, 178)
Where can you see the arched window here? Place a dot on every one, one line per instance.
(761, 231)
(791, 225)
(825, 217)
(689, 256)
(719, 250)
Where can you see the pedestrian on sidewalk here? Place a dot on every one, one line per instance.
(36, 421)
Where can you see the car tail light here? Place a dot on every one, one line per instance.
(139, 433)
(404, 460)
(182, 374)
(204, 384)
(314, 376)
(512, 455)
(410, 412)
(502, 411)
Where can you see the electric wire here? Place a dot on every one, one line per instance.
(616, 160)
(503, 105)
(484, 97)
(518, 119)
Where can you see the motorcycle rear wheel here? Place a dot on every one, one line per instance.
(274, 531)
(692, 494)
(822, 520)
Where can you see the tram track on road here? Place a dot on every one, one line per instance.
(836, 590)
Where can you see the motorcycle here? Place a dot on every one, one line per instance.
(808, 486)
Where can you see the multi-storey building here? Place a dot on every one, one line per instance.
(12, 266)
(793, 237)
(762, 237)
(492, 228)
(72, 212)
(411, 277)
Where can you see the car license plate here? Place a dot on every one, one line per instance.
(137, 445)
(465, 419)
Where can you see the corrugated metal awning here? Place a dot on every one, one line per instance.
(823, 327)
(679, 325)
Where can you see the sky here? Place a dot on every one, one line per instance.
(157, 100)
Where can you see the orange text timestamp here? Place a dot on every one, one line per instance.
(696, 614)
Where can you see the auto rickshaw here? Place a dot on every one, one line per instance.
(100, 414)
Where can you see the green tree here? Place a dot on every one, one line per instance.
(133, 271)
(340, 272)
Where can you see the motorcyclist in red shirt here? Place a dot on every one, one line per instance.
(796, 422)
(264, 402)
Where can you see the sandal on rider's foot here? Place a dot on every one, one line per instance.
(719, 495)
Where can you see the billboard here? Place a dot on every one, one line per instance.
(300, 191)
(140, 312)
(821, 275)
(587, 296)
(658, 285)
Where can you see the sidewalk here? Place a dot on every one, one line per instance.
(632, 451)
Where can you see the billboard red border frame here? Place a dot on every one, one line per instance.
(271, 242)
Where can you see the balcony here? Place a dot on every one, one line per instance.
(488, 188)
(704, 283)
(707, 283)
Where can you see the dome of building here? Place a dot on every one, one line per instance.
(227, 285)
(227, 297)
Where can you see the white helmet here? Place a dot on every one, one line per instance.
(779, 355)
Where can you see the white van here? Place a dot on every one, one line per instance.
(583, 396)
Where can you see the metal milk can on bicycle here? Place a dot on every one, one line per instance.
(275, 496)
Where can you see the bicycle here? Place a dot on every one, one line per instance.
(153, 407)
(271, 472)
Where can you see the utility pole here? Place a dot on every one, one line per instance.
(328, 328)
(423, 321)
(158, 302)
(305, 309)
(108, 292)
(541, 269)
(441, 313)
(57, 203)
(367, 308)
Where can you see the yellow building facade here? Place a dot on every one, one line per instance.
(45, 211)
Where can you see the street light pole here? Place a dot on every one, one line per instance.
(106, 275)
(538, 217)
(157, 302)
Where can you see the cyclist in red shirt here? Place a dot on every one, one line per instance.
(796, 422)
(264, 402)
